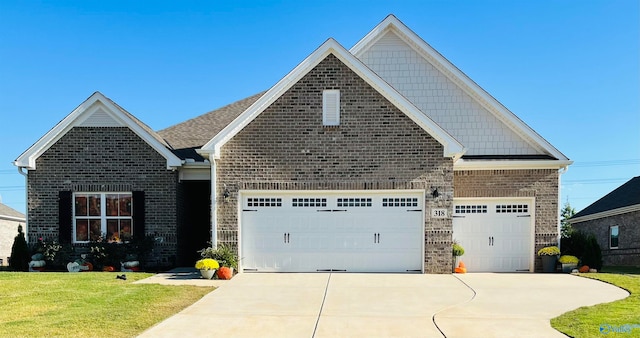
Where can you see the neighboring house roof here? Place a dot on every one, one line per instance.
(8, 213)
(625, 198)
(187, 136)
(470, 114)
(452, 148)
(97, 111)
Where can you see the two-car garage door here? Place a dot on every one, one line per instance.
(368, 231)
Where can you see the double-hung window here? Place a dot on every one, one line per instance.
(102, 214)
(613, 237)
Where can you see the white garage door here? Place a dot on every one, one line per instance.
(495, 234)
(379, 231)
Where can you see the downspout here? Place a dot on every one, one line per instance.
(559, 225)
(214, 203)
(26, 202)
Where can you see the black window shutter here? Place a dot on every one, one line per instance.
(138, 214)
(65, 217)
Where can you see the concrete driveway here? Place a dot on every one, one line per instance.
(386, 305)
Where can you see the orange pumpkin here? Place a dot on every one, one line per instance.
(224, 273)
(109, 268)
(584, 269)
(461, 265)
(461, 270)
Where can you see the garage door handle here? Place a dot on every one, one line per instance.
(249, 210)
(490, 241)
(524, 216)
(324, 210)
(414, 210)
(286, 237)
(376, 238)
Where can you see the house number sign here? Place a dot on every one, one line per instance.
(439, 213)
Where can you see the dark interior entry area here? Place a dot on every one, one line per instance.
(194, 220)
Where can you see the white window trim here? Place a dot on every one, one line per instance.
(611, 236)
(331, 107)
(103, 212)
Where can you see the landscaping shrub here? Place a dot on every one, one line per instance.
(592, 254)
(584, 246)
(19, 259)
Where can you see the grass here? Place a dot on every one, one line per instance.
(622, 314)
(87, 304)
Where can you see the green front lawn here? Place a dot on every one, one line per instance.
(616, 319)
(86, 304)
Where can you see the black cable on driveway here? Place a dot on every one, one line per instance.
(326, 289)
(433, 318)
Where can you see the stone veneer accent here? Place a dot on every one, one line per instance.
(628, 251)
(539, 183)
(93, 159)
(376, 146)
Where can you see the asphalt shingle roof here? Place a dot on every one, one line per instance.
(196, 132)
(626, 195)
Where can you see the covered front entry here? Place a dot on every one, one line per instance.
(353, 231)
(496, 234)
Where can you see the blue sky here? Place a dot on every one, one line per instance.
(569, 69)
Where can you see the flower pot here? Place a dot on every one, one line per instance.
(549, 263)
(207, 274)
(456, 261)
(568, 267)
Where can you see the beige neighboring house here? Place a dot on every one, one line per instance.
(9, 221)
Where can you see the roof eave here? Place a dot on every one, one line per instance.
(463, 164)
(607, 213)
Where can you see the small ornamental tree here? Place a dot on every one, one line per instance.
(566, 230)
(19, 259)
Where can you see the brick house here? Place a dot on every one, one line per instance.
(615, 221)
(369, 159)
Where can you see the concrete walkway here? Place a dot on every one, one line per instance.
(383, 305)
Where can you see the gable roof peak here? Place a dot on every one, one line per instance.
(392, 24)
(96, 110)
(452, 148)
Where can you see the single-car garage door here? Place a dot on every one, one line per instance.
(495, 234)
(368, 231)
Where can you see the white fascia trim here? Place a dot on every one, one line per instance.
(77, 116)
(12, 218)
(458, 77)
(608, 213)
(452, 148)
(462, 164)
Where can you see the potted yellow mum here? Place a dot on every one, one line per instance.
(207, 267)
(549, 257)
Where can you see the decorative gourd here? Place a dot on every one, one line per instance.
(461, 265)
(584, 269)
(461, 270)
(224, 273)
(108, 268)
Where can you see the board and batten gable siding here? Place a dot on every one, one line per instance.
(542, 184)
(441, 99)
(104, 159)
(375, 146)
